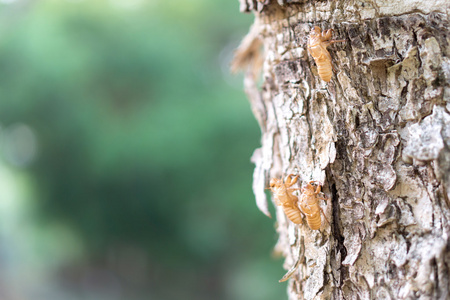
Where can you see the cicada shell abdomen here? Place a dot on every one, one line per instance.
(293, 214)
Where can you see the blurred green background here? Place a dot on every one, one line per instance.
(125, 147)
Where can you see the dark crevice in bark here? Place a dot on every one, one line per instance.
(396, 52)
(436, 277)
(336, 227)
(403, 94)
(321, 289)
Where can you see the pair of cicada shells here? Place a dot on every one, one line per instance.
(294, 207)
(317, 47)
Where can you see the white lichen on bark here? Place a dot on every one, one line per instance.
(377, 136)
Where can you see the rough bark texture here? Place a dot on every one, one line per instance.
(377, 135)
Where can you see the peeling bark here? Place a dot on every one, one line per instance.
(377, 135)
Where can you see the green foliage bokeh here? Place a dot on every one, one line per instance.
(141, 140)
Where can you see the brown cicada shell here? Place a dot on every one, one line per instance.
(283, 194)
(317, 46)
(309, 204)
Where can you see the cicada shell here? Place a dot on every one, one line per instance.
(317, 46)
(309, 204)
(283, 194)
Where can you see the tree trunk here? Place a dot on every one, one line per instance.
(377, 136)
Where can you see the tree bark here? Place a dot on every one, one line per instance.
(377, 136)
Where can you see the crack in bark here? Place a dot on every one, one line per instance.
(436, 277)
(336, 230)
